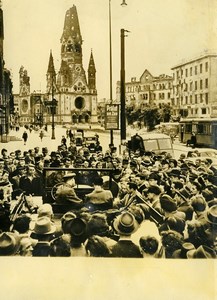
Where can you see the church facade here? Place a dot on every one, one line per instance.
(70, 94)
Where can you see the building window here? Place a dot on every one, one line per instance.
(206, 83)
(168, 95)
(186, 99)
(196, 111)
(177, 74)
(191, 86)
(201, 98)
(181, 100)
(201, 68)
(195, 99)
(206, 66)
(190, 71)
(207, 98)
(203, 111)
(190, 99)
(201, 84)
(195, 70)
(195, 85)
(186, 72)
(186, 87)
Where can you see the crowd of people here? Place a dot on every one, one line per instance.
(156, 206)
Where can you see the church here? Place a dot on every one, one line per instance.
(70, 94)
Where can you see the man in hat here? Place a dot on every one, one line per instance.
(129, 198)
(9, 243)
(31, 183)
(125, 225)
(99, 198)
(65, 193)
(183, 197)
(44, 231)
(15, 180)
(153, 196)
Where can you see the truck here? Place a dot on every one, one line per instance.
(149, 141)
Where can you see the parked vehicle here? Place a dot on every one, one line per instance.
(156, 142)
(205, 130)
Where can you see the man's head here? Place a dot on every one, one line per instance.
(31, 169)
(98, 181)
(69, 178)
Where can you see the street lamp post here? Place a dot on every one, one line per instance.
(122, 89)
(110, 64)
(110, 68)
(53, 109)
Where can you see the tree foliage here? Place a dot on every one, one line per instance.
(150, 115)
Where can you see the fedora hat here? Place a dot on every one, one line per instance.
(45, 210)
(66, 221)
(168, 203)
(125, 224)
(78, 227)
(43, 225)
(175, 172)
(9, 243)
(185, 193)
(182, 253)
(211, 215)
(202, 251)
(69, 175)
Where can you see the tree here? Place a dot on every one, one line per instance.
(165, 112)
(151, 117)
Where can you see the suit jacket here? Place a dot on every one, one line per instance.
(31, 187)
(65, 194)
(126, 248)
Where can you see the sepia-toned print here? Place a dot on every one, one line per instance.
(131, 175)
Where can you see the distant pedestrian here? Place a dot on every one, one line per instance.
(67, 133)
(70, 135)
(25, 137)
(41, 135)
(193, 139)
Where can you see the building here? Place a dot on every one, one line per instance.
(70, 95)
(22, 104)
(195, 87)
(75, 93)
(6, 96)
(147, 90)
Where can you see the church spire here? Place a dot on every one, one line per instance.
(92, 73)
(51, 68)
(51, 74)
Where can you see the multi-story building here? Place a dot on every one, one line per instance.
(147, 90)
(195, 87)
(6, 96)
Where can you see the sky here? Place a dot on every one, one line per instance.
(162, 34)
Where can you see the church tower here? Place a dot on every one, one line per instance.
(71, 51)
(77, 98)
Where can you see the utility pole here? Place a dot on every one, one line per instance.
(122, 90)
(53, 108)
